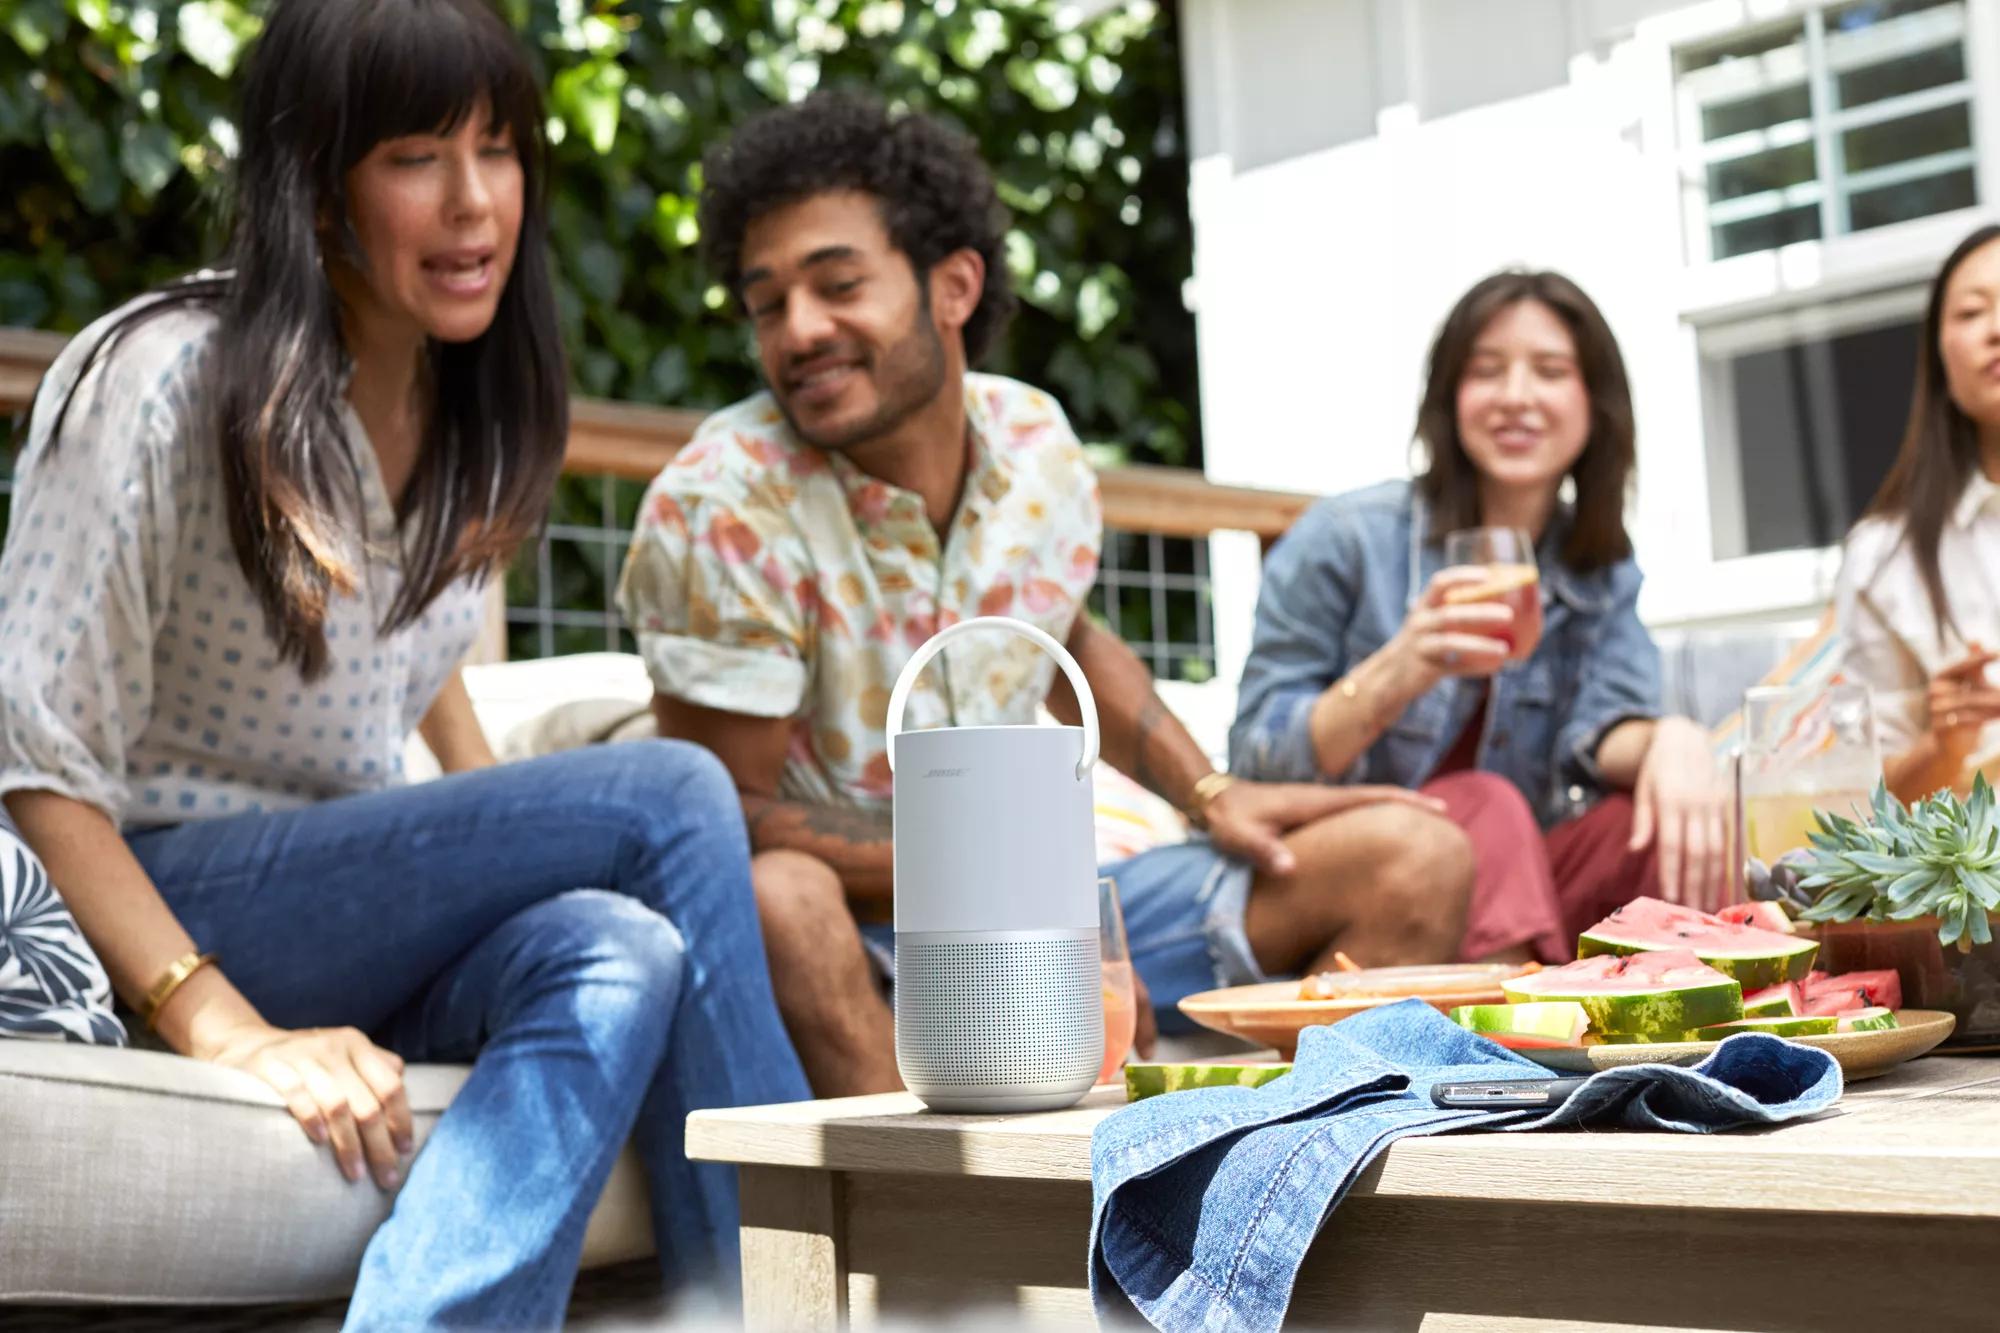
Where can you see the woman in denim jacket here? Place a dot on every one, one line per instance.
(1576, 794)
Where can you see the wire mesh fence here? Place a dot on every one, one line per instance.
(1153, 591)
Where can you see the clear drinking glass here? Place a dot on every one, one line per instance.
(1805, 749)
(1121, 1012)
(1507, 558)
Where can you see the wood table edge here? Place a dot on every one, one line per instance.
(1772, 1171)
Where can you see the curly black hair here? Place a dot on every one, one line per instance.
(936, 193)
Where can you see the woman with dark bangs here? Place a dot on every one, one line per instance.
(255, 514)
(1528, 702)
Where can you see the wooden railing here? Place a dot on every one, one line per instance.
(24, 355)
(634, 442)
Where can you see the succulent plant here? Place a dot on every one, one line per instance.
(1788, 876)
(1940, 857)
(1780, 882)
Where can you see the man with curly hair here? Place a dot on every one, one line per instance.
(793, 557)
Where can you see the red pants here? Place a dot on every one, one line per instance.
(1541, 889)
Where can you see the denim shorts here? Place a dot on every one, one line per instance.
(1183, 907)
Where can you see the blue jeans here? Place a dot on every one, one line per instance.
(581, 928)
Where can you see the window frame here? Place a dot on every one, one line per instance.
(1717, 344)
(1846, 262)
(1815, 62)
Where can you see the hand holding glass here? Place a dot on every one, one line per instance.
(1507, 559)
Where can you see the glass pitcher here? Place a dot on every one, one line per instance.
(1805, 749)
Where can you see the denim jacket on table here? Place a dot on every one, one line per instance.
(1339, 585)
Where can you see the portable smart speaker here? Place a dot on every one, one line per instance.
(999, 991)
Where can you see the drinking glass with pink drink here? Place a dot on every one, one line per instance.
(1507, 558)
(1121, 1012)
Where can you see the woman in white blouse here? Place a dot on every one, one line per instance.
(1919, 594)
(255, 512)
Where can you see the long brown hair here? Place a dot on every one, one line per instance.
(1940, 446)
(1602, 474)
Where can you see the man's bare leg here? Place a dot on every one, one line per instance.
(1384, 884)
(827, 991)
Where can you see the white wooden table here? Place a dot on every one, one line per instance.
(1881, 1215)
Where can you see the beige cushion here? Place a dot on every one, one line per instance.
(520, 705)
(132, 1175)
(138, 1176)
(577, 723)
(553, 704)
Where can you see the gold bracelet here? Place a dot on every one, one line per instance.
(170, 981)
(1347, 688)
(1206, 789)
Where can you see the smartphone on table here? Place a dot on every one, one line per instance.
(1505, 1094)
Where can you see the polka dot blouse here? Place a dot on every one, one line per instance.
(136, 673)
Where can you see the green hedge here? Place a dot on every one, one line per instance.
(115, 140)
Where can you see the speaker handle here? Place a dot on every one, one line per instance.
(1040, 638)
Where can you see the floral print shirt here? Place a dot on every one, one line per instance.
(772, 579)
(136, 674)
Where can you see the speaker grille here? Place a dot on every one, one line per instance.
(1002, 1012)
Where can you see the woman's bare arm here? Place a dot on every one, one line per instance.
(127, 923)
(451, 728)
(343, 1091)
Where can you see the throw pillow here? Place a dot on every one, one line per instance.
(1131, 819)
(51, 985)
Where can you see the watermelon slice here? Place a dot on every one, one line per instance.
(1151, 1080)
(1784, 1001)
(1659, 995)
(1883, 986)
(1526, 1027)
(1830, 1001)
(1788, 1026)
(1756, 958)
(1764, 916)
(1873, 1019)
(1625, 1039)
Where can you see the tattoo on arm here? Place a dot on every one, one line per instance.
(850, 824)
(1154, 749)
(759, 812)
(1150, 718)
(854, 842)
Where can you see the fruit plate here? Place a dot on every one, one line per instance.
(1271, 1013)
(1860, 1054)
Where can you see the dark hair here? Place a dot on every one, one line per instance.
(1602, 473)
(935, 193)
(325, 83)
(1940, 445)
